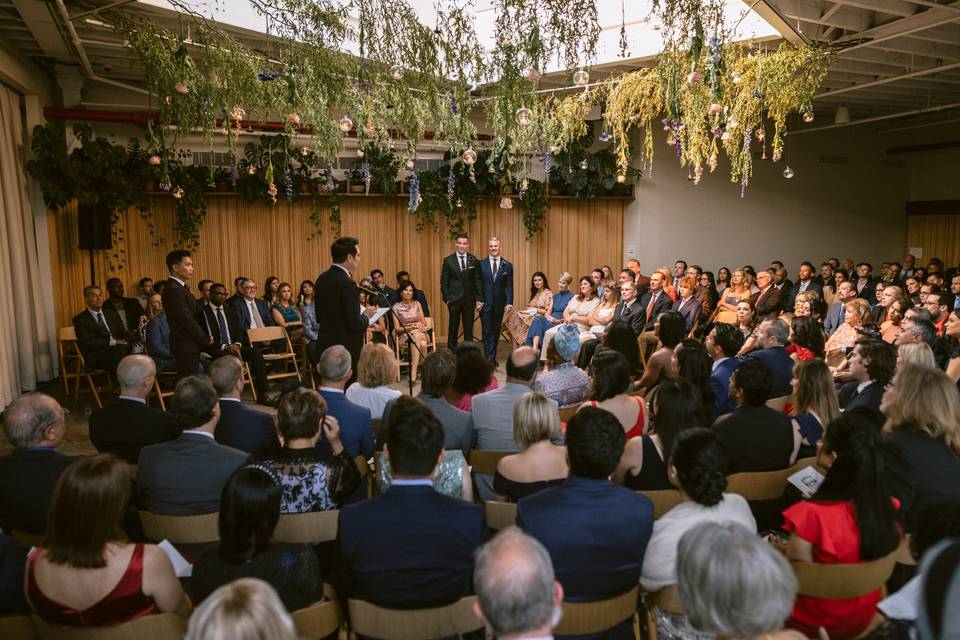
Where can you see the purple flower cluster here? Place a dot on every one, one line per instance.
(331, 185)
(414, 200)
(451, 184)
(233, 173)
(288, 184)
(365, 172)
(454, 108)
(547, 164)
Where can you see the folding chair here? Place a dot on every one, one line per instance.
(364, 468)
(306, 363)
(566, 414)
(17, 628)
(663, 500)
(321, 619)
(181, 529)
(288, 355)
(414, 624)
(69, 362)
(666, 599)
(759, 485)
(159, 626)
(67, 337)
(307, 528)
(485, 462)
(499, 515)
(588, 618)
(165, 376)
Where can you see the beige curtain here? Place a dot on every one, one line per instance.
(26, 348)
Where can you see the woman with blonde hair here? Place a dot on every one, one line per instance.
(737, 292)
(815, 404)
(845, 337)
(602, 315)
(915, 353)
(246, 609)
(377, 368)
(541, 464)
(922, 436)
(668, 287)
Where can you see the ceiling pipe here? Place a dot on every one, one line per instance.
(889, 116)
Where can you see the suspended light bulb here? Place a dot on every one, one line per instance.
(410, 164)
(584, 164)
(554, 148)
(621, 178)
(154, 160)
(506, 203)
(581, 77)
(523, 116)
(469, 157)
(760, 135)
(396, 72)
(605, 135)
(459, 203)
(360, 153)
(346, 124)
(808, 117)
(788, 173)
(251, 170)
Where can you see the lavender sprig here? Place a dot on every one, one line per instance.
(414, 200)
(331, 185)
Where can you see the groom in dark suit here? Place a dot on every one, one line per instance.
(496, 272)
(187, 337)
(461, 289)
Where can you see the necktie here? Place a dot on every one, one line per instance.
(653, 300)
(224, 333)
(255, 321)
(496, 267)
(103, 324)
(463, 265)
(843, 312)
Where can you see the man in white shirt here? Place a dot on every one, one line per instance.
(254, 312)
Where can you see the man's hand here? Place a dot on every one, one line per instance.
(479, 306)
(370, 311)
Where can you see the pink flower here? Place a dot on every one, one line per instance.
(154, 160)
(715, 108)
(293, 118)
(272, 190)
(694, 78)
(181, 88)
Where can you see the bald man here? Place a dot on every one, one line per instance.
(128, 425)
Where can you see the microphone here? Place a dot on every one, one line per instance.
(371, 292)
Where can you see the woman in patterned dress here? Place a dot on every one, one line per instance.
(518, 321)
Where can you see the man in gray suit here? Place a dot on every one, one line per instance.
(837, 311)
(185, 476)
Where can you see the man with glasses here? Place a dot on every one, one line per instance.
(769, 300)
(629, 308)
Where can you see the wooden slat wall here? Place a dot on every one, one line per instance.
(259, 240)
(939, 235)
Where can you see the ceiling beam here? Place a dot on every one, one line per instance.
(902, 27)
(913, 46)
(892, 7)
(773, 17)
(905, 76)
(826, 16)
(849, 18)
(889, 116)
(38, 19)
(934, 5)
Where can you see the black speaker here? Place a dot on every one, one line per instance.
(93, 226)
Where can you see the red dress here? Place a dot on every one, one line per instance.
(637, 429)
(831, 527)
(125, 602)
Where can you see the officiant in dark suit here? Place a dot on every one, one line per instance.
(187, 337)
(461, 289)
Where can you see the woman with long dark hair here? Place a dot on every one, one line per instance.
(518, 321)
(851, 518)
(806, 339)
(270, 287)
(609, 383)
(695, 365)
(815, 403)
(621, 338)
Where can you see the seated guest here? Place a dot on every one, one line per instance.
(518, 320)
(952, 332)
(915, 353)
(541, 464)
(145, 290)
(891, 328)
(695, 366)
(629, 310)
(240, 427)
(245, 609)
(305, 295)
(414, 326)
(563, 382)
(285, 313)
(870, 367)
(756, 437)
(128, 309)
(310, 326)
(271, 290)
(621, 338)
(749, 326)
(768, 300)
(609, 384)
(655, 302)
(577, 312)
(805, 339)
(376, 332)
(558, 304)
(13, 564)
(815, 403)
(156, 336)
(670, 330)
(602, 314)
(745, 592)
(851, 518)
(474, 376)
(100, 334)
(390, 559)
(249, 511)
(836, 312)
(674, 407)
(722, 343)
(229, 338)
(922, 443)
(805, 282)
(356, 427)
(772, 340)
(856, 316)
(185, 477)
(311, 480)
(736, 292)
(237, 290)
(203, 288)
(698, 468)
(687, 305)
(419, 296)
(492, 412)
(252, 311)
(517, 595)
(34, 424)
(87, 574)
(127, 425)
(377, 368)
(563, 518)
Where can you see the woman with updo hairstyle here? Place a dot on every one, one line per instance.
(474, 376)
(247, 609)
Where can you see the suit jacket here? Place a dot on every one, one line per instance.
(879, 314)
(497, 293)
(795, 290)
(90, 337)
(919, 470)
(690, 312)
(28, 477)
(834, 318)
(185, 477)
(158, 337)
(460, 286)
(131, 311)
(456, 423)
(756, 439)
(409, 548)
(492, 416)
(596, 533)
(634, 314)
(246, 429)
(243, 316)
(127, 426)
(662, 304)
(208, 320)
(341, 321)
(180, 307)
(768, 303)
(871, 396)
(356, 425)
(720, 383)
(780, 364)
(869, 290)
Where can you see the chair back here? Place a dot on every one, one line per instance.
(663, 500)
(17, 628)
(27, 539)
(778, 404)
(839, 581)
(568, 413)
(160, 626)
(67, 334)
(499, 515)
(181, 529)
(485, 462)
(666, 599)
(266, 334)
(759, 485)
(587, 618)
(414, 624)
(321, 619)
(307, 528)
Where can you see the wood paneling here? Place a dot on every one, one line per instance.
(939, 235)
(259, 240)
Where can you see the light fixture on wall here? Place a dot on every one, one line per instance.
(843, 115)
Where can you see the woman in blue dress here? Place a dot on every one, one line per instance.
(541, 323)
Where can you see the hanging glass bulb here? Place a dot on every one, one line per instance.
(788, 172)
(506, 203)
(469, 157)
(760, 135)
(808, 117)
(621, 178)
(396, 72)
(584, 164)
(523, 116)
(459, 203)
(251, 170)
(360, 153)
(605, 135)
(410, 163)
(581, 77)
(346, 124)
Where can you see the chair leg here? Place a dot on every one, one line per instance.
(93, 390)
(159, 392)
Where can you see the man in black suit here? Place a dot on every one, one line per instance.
(240, 427)
(379, 284)
(237, 289)
(772, 342)
(871, 367)
(34, 424)
(126, 426)
(187, 338)
(461, 289)
(756, 437)
(653, 303)
(222, 324)
(769, 300)
(411, 547)
(252, 310)
(185, 477)
(864, 283)
(342, 322)
(100, 333)
(128, 309)
(629, 308)
(805, 282)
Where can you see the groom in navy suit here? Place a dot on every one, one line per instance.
(497, 276)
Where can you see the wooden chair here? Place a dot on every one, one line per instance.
(583, 618)
(839, 581)
(321, 619)
(778, 404)
(181, 529)
(760, 485)
(414, 624)
(666, 599)
(160, 626)
(27, 539)
(566, 414)
(165, 376)
(431, 346)
(306, 364)
(69, 363)
(17, 628)
(364, 468)
(67, 339)
(663, 500)
(485, 462)
(288, 355)
(499, 515)
(307, 528)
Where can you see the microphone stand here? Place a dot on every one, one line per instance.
(410, 341)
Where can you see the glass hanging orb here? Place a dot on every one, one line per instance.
(178, 193)
(304, 151)
(506, 203)
(808, 117)
(605, 135)
(523, 116)
(506, 39)
(491, 169)
(154, 160)
(410, 163)
(584, 164)
(788, 173)
(360, 153)
(581, 77)
(459, 203)
(621, 178)
(251, 170)
(760, 135)
(346, 124)
(396, 72)
(554, 148)
(469, 157)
